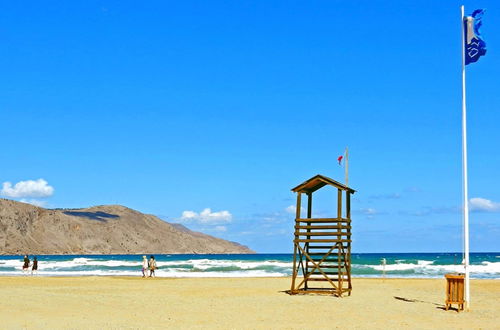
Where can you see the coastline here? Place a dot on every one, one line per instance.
(400, 265)
(133, 302)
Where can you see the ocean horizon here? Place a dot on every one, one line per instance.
(484, 265)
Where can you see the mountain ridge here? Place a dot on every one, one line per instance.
(102, 229)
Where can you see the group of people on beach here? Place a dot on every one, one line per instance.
(27, 264)
(148, 266)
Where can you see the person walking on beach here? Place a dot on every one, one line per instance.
(34, 268)
(26, 264)
(152, 266)
(145, 266)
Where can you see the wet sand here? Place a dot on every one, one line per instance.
(236, 303)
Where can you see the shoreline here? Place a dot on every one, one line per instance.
(483, 266)
(89, 302)
(253, 253)
(395, 277)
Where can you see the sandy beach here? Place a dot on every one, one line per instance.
(235, 303)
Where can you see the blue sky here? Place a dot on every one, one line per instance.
(173, 108)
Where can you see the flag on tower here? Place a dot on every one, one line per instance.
(474, 47)
(344, 158)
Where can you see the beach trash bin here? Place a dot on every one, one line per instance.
(455, 290)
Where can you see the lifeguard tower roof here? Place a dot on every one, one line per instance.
(319, 181)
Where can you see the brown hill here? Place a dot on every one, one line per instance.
(110, 229)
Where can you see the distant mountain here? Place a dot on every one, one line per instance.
(109, 229)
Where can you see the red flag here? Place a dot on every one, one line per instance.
(340, 159)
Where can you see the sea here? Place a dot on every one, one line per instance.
(398, 265)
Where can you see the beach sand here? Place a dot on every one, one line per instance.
(236, 303)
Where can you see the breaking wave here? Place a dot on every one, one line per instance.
(260, 265)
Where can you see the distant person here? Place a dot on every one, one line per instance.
(152, 266)
(145, 266)
(34, 268)
(26, 264)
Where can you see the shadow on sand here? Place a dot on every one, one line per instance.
(439, 306)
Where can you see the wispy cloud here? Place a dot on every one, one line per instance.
(413, 189)
(220, 228)
(292, 209)
(395, 195)
(369, 212)
(35, 202)
(270, 217)
(483, 205)
(431, 210)
(28, 188)
(386, 196)
(476, 204)
(206, 217)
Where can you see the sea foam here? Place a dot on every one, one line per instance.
(400, 265)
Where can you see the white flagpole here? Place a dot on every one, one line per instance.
(346, 167)
(464, 168)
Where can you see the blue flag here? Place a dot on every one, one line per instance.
(475, 47)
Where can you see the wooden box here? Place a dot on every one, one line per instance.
(455, 290)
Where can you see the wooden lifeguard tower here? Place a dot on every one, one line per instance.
(322, 246)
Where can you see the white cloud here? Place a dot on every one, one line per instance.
(35, 202)
(28, 188)
(292, 209)
(483, 204)
(187, 215)
(207, 217)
